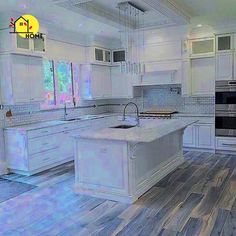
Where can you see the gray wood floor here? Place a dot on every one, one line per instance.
(199, 198)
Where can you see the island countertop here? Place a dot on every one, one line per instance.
(148, 131)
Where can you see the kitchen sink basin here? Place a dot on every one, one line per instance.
(74, 119)
(123, 127)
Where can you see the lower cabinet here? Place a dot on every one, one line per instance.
(226, 144)
(200, 135)
(34, 150)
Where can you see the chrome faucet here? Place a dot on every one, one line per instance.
(137, 112)
(65, 111)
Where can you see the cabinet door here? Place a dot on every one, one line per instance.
(22, 43)
(203, 77)
(39, 44)
(121, 84)
(97, 81)
(106, 83)
(205, 136)
(20, 78)
(224, 66)
(36, 79)
(189, 139)
(186, 78)
(224, 42)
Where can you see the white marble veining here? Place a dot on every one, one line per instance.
(40, 125)
(148, 131)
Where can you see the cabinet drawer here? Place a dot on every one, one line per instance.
(42, 132)
(41, 144)
(228, 144)
(40, 160)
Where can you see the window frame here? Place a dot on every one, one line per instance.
(75, 87)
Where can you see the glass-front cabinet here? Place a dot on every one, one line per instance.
(224, 42)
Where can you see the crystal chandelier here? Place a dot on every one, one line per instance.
(131, 37)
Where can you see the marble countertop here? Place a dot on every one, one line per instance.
(148, 131)
(182, 114)
(45, 124)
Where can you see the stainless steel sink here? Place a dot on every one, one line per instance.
(74, 119)
(122, 127)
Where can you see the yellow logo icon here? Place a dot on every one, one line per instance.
(25, 26)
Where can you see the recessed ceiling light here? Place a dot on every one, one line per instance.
(199, 25)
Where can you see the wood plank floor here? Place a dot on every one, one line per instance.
(198, 198)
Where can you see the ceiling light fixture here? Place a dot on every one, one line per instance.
(130, 36)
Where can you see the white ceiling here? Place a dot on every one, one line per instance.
(159, 13)
(211, 12)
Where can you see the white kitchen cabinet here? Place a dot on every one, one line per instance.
(226, 144)
(13, 43)
(205, 135)
(203, 47)
(32, 151)
(224, 66)
(189, 139)
(22, 79)
(95, 82)
(122, 84)
(203, 76)
(224, 42)
(98, 55)
(200, 135)
(186, 78)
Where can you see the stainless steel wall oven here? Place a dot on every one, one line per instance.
(225, 105)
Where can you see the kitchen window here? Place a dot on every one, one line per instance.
(64, 82)
(58, 83)
(49, 84)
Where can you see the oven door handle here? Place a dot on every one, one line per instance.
(229, 144)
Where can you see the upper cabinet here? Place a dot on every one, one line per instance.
(203, 77)
(118, 56)
(225, 66)
(98, 55)
(198, 77)
(204, 47)
(13, 43)
(21, 79)
(224, 43)
(225, 57)
(95, 82)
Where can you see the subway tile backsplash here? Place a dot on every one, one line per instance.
(163, 97)
(169, 97)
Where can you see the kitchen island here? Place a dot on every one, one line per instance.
(122, 162)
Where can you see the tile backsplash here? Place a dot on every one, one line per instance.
(163, 97)
(169, 97)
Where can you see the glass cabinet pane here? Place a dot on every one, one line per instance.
(203, 46)
(224, 43)
(22, 43)
(98, 54)
(39, 44)
(119, 56)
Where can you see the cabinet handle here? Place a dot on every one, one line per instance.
(44, 132)
(46, 159)
(45, 144)
(229, 144)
